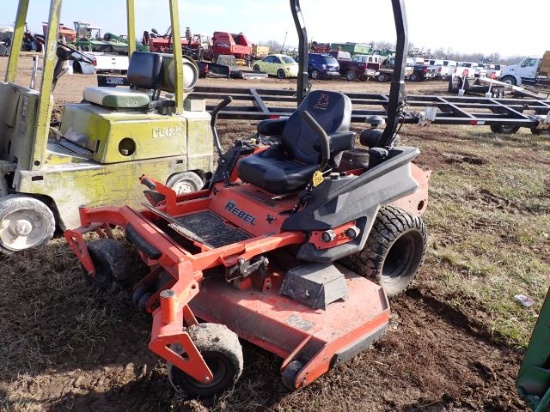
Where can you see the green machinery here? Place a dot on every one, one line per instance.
(533, 381)
(89, 38)
(96, 152)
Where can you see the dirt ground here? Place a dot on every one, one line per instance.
(434, 357)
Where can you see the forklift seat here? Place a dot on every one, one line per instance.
(145, 78)
(288, 166)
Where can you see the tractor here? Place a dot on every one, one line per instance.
(93, 152)
(295, 244)
(533, 380)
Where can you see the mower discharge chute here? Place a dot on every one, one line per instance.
(281, 249)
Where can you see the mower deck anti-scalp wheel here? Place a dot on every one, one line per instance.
(289, 374)
(223, 354)
(111, 262)
(25, 222)
(394, 251)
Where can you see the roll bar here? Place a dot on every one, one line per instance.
(397, 87)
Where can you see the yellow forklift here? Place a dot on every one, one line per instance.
(94, 153)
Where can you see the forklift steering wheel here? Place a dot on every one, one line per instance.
(72, 52)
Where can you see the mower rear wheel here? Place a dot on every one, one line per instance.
(394, 251)
(222, 352)
(25, 222)
(112, 264)
(185, 182)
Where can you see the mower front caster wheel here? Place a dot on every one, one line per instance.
(111, 263)
(222, 352)
(394, 251)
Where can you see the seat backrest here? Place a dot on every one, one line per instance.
(144, 71)
(332, 110)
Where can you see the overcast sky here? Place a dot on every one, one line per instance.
(462, 26)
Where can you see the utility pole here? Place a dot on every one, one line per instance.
(284, 41)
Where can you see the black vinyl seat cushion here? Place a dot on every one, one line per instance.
(273, 171)
(289, 166)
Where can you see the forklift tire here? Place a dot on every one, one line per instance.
(111, 262)
(25, 222)
(222, 352)
(185, 182)
(504, 129)
(394, 251)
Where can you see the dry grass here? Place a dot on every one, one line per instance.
(489, 219)
(452, 346)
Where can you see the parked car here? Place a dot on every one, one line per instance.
(279, 65)
(422, 72)
(322, 66)
(387, 66)
(351, 69)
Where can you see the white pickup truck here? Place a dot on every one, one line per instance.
(444, 68)
(103, 63)
(470, 69)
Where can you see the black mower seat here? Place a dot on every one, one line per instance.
(145, 78)
(289, 165)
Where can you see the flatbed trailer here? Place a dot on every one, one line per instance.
(502, 115)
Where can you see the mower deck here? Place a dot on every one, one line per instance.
(317, 338)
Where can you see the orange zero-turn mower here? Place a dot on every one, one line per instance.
(294, 245)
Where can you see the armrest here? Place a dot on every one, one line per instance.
(271, 127)
(341, 141)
